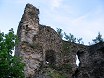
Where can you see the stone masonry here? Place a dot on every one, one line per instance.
(36, 41)
(40, 46)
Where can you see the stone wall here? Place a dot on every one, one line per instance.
(35, 41)
(92, 62)
(28, 28)
(43, 50)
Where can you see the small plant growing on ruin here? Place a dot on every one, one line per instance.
(55, 74)
(66, 48)
(70, 37)
(59, 31)
(98, 39)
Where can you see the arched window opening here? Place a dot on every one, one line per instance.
(50, 57)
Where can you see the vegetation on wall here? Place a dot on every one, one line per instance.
(10, 66)
(57, 72)
(98, 39)
(61, 71)
(52, 73)
(69, 37)
(59, 32)
(66, 48)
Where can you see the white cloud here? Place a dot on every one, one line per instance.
(78, 21)
(86, 26)
(56, 3)
(67, 18)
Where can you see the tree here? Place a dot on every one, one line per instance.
(98, 38)
(79, 40)
(59, 31)
(10, 66)
(70, 37)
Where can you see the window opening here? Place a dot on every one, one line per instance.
(50, 57)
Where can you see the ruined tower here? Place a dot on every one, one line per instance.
(28, 28)
(38, 44)
(29, 24)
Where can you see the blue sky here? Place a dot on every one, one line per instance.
(83, 18)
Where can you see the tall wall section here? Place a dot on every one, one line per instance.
(37, 42)
(41, 48)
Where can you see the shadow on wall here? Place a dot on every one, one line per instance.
(50, 58)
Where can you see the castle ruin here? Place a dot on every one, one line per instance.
(41, 47)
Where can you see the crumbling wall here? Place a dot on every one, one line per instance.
(50, 40)
(92, 62)
(35, 41)
(28, 28)
(43, 50)
(69, 56)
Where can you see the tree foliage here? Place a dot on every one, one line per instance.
(59, 31)
(72, 38)
(98, 38)
(69, 37)
(10, 66)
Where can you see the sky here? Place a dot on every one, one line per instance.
(82, 18)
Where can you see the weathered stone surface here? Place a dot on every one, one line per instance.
(70, 57)
(92, 62)
(29, 24)
(42, 48)
(36, 41)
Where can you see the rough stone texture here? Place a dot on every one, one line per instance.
(41, 48)
(29, 24)
(70, 57)
(91, 62)
(36, 41)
